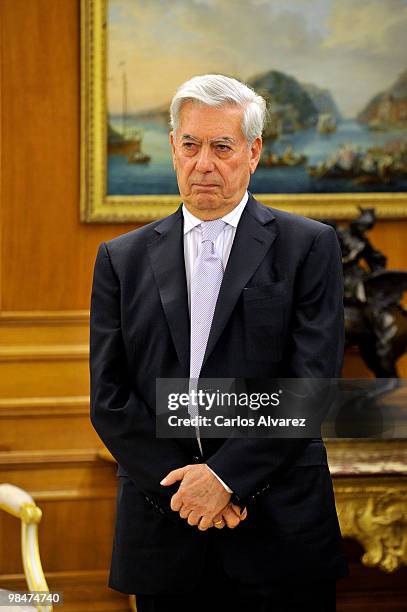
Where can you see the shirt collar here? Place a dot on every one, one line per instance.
(232, 218)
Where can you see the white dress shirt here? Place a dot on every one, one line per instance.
(223, 243)
(223, 246)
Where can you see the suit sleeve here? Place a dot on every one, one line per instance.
(123, 421)
(315, 350)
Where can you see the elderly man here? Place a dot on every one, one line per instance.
(224, 287)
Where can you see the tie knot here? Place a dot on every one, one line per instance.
(212, 229)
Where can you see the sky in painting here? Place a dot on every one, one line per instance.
(355, 48)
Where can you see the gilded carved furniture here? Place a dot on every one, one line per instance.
(19, 503)
(371, 497)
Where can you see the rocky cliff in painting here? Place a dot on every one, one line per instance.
(294, 105)
(387, 109)
(323, 100)
(291, 105)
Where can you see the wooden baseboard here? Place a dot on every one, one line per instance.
(83, 591)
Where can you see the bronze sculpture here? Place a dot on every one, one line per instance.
(375, 320)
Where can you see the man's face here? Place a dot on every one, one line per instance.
(212, 159)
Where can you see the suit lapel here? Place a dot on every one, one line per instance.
(255, 234)
(167, 259)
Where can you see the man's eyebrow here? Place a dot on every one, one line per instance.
(216, 139)
(189, 137)
(223, 139)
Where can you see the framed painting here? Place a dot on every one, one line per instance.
(334, 75)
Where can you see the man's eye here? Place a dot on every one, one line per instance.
(223, 147)
(188, 145)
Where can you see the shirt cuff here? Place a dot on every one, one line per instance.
(228, 489)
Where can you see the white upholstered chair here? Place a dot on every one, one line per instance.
(20, 504)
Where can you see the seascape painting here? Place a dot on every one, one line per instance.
(334, 73)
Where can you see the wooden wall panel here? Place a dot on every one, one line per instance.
(76, 491)
(47, 253)
(70, 537)
(49, 448)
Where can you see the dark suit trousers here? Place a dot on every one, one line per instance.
(216, 592)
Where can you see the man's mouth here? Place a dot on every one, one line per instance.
(205, 185)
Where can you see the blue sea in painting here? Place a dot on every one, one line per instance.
(157, 177)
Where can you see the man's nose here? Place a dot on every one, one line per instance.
(205, 161)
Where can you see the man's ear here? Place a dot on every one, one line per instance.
(255, 151)
(172, 143)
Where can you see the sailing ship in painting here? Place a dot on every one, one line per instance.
(305, 108)
(372, 166)
(326, 123)
(376, 164)
(128, 141)
(287, 159)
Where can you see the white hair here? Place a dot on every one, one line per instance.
(218, 90)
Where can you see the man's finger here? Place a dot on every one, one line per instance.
(205, 523)
(174, 476)
(218, 521)
(176, 502)
(230, 517)
(193, 518)
(184, 512)
(242, 514)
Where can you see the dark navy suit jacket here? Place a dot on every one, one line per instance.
(279, 314)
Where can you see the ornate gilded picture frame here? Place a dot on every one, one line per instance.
(337, 132)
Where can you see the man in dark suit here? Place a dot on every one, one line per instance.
(224, 287)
